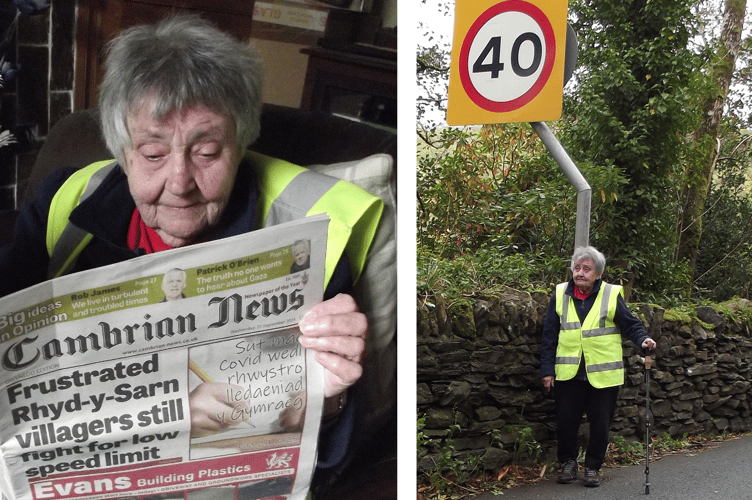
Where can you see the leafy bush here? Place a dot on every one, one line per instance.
(724, 262)
(449, 470)
(628, 453)
(494, 208)
(526, 443)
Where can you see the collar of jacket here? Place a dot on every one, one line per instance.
(593, 293)
(107, 212)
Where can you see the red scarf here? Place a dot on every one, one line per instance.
(579, 295)
(142, 236)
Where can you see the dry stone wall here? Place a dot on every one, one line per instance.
(478, 367)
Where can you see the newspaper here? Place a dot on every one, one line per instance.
(111, 389)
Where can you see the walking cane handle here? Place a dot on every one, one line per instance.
(648, 362)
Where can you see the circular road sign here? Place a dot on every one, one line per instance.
(507, 56)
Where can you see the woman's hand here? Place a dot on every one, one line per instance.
(548, 382)
(336, 331)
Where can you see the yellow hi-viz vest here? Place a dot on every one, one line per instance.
(598, 338)
(287, 192)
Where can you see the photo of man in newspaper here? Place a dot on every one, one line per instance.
(173, 285)
(301, 252)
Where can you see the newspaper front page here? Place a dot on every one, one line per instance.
(176, 375)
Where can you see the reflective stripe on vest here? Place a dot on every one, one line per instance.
(594, 340)
(568, 360)
(65, 241)
(288, 192)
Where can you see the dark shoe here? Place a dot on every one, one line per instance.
(568, 472)
(591, 478)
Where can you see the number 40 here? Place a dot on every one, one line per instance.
(495, 66)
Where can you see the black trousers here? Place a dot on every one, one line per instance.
(573, 397)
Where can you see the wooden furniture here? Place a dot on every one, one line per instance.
(347, 78)
(100, 20)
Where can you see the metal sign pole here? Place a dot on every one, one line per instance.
(584, 192)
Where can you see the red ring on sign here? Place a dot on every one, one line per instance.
(548, 64)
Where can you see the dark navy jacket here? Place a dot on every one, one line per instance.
(628, 324)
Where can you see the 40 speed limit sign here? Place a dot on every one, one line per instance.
(507, 61)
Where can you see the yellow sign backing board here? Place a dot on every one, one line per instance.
(507, 61)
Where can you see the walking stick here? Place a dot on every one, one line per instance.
(648, 364)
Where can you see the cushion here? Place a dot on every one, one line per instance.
(376, 292)
(377, 286)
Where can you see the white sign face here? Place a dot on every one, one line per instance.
(506, 56)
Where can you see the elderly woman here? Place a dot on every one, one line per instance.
(581, 354)
(180, 103)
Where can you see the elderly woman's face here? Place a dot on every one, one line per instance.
(181, 170)
(585, 275)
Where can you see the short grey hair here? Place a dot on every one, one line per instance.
(180, 62)
(592, 253)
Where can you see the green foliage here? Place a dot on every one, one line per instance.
(485, 270)
(449, 470)
(724, 262)
(628, 453)
(526, 443)
(634, 109)
(484, 187)
(682, 315)
(737, 310)
(668, 443)
(494, 208)
(423, 441)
